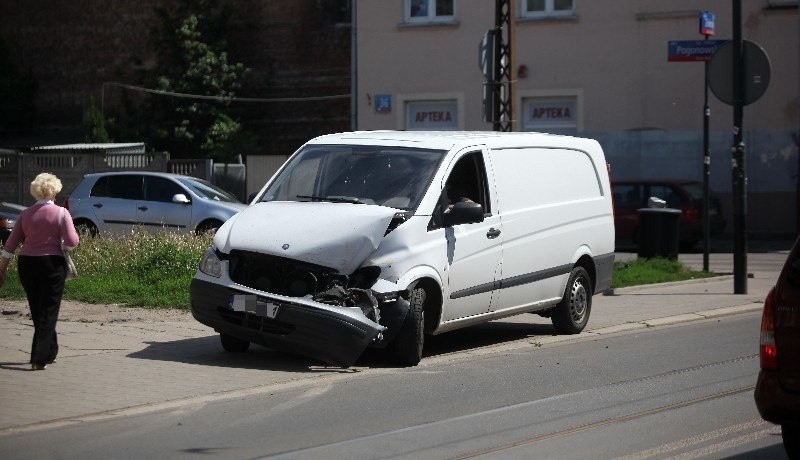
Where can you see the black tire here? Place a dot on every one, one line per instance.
(209, 226)
(790, 432)
(407, 346)
(84, 227)
(232, 344)
(572, 313)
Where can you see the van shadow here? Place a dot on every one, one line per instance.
(207, 351)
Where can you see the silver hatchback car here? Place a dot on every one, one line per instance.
(117, 202)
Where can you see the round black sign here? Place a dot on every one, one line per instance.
(757, 71)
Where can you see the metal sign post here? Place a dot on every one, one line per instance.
(707, 29)
(738, 171)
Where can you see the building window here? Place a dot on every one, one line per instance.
(429, 10)
(548, 8)
(432, 116)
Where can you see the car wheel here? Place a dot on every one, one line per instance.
(572, 313)
(232, 344)
(791, 439)
(84, 227)
(407, 346)
(210, 226)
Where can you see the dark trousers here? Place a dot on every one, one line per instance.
(43, 278)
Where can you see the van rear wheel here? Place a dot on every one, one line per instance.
(572, 313)
(233, 344)
(407, 346)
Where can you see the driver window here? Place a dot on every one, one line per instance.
(466, 182)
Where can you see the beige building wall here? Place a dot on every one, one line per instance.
(612, 55)
(606, 67)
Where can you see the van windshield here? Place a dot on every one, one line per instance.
(388, 176)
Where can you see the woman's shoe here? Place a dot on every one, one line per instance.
(38, 367)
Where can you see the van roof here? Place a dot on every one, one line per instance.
(447, 140)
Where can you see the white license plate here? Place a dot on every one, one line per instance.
(253, 304)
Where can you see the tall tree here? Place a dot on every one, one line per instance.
(192, 59)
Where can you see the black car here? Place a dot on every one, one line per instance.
(9, 213)
(777, 391)
(686, 195)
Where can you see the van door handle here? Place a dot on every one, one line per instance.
(492, 233)
(98, 205)
(142, 208)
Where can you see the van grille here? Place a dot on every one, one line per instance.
(278, 275)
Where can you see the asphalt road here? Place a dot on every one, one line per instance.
(682, 391)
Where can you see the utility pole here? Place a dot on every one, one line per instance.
(503, 115)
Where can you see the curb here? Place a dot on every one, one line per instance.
(682, 318)
(641, 287)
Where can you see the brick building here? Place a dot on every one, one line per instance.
(294, 49)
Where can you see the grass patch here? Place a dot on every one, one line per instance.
(154, 270)
(141, 269)
(656, 270)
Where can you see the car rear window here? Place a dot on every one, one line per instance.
(128, 187)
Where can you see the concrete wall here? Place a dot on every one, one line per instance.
(17, 170)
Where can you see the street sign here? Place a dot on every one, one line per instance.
(692, 50)
(707, 23)
(757, 71)
(486, 58)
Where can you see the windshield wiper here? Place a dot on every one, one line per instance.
(332, 199)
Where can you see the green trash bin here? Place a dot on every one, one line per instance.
(658, 233)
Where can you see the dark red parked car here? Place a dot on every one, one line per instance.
(686, 195)
(778, 389)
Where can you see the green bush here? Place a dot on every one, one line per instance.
(154, 270)
(649, 271)
(141, 269)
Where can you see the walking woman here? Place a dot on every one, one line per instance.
(42, 229)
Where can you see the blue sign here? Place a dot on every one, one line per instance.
(692, 50)
(383, 103)
(707, 23)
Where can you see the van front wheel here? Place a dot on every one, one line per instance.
(572, 313)
(407, 346)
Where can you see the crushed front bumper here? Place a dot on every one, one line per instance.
(336, 335)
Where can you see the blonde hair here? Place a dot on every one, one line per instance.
(45, 185)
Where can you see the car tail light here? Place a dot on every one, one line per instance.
(3, 223)
(690, 214)
(767, 350)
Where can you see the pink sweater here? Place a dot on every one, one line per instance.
(38, 228)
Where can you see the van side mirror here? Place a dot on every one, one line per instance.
(463, 213)
(180, 198)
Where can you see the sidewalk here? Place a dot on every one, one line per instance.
(108, 369)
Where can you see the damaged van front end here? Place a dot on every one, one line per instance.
(269, 281)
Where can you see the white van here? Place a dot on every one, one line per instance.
(380, 238)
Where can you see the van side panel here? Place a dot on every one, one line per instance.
(552, 202)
